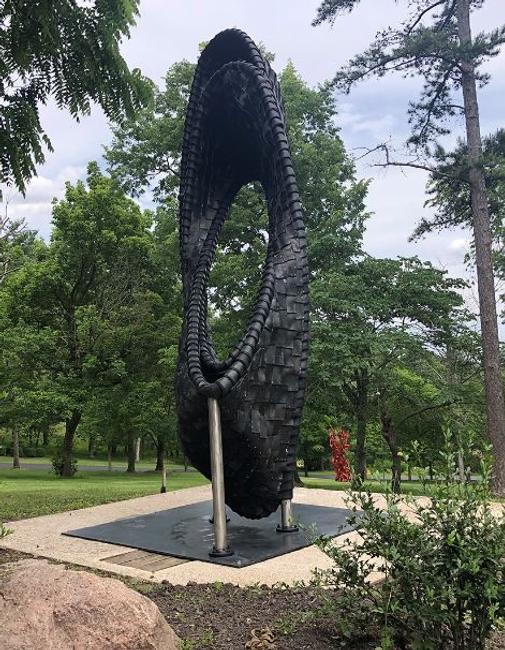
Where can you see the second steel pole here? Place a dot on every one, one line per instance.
(221, 547)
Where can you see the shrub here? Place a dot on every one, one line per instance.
(4, 531)
(58, 463)
(443, 559)
(33, 452)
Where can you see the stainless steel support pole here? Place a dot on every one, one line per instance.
(286, 525)
(221, 547)
(163, 488)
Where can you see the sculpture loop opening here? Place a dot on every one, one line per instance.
(235, 134)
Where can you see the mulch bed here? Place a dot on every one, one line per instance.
(226, 617)
(222, 616)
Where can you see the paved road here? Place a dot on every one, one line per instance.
(46, 467)
(89, 468)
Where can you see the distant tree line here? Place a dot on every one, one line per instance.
(89, 321)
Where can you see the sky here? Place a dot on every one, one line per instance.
(170, 30)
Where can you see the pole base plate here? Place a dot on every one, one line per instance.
(220, 553)
(287, 529)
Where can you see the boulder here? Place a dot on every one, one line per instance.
(46, 606)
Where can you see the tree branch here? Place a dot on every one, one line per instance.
(414, 164)
(423, 13)
(426, 408)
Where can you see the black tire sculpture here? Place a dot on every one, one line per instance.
(235, 133)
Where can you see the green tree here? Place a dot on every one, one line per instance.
(27, 398)
(436, 44)
(132, 372)
(449, 189)
(364, 319)
(27, 402)
(411, 406)
(9, 230)
(67, 50)
(95, 262)
(146, 148)
(450, 197)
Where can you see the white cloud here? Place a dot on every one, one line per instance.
(353, 121)
(460, 244)
(35, 206)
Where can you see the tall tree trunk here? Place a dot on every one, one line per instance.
(389, 433)
(362, 382)
(71, 425)
(160, 454)
(109, 457)
(483, 255)
(45, 436)
(15, 449)
(137, 449)
(132, 453)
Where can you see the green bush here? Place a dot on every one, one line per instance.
(58, 463)
(4, 531)
(443, 562)
(33, 452)
(28, 452)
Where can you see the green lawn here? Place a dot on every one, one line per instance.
(84, 460)
(408, 487)
(30, 492)
(25, 493)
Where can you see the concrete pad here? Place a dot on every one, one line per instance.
(42, 536)
(186, 532)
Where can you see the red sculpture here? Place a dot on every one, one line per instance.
(339, 445)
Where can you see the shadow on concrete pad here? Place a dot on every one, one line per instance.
(186, 532)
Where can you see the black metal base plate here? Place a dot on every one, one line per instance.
(186, 532)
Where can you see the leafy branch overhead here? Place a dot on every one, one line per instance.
(67, 51)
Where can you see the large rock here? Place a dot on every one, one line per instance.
(47, 607)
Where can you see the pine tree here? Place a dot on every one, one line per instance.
(436, 44)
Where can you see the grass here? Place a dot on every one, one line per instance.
(86, 461)
(408, 487)
(30, 493)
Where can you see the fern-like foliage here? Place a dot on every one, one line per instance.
(67, 50)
